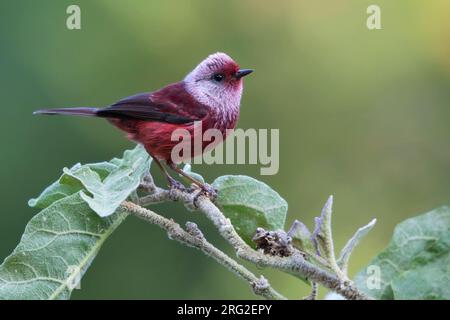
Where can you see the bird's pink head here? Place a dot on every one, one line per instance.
(217, 82)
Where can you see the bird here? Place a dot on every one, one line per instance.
(209, 95)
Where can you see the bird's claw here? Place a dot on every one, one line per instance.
(207, 191)
(210, 191)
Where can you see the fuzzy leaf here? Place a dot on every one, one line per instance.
(352, 243)
(106, 196)
(301, 237)
(322, 235)
(67, 185)
(415, 264)
(323, 238)
(56, 249)
(62, 240)
(250, 204)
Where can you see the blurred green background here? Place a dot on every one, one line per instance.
(363, 115)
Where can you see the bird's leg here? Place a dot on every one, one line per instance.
(173, 184)
(204, 186)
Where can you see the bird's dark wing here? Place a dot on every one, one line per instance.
(142, 107)
(166, 105)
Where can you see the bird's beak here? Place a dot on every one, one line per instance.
(242, 73)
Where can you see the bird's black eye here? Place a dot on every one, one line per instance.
(218, 77)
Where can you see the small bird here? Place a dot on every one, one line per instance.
(210, 94)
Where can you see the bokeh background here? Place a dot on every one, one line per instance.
(363, 115)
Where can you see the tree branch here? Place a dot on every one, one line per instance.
(294, 264)
(193, 237)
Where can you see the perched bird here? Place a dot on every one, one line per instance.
(211, 94)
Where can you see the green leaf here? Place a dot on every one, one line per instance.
(301, 237)
(249, 204)
(107, 195)
(134, 163)
(415, 264)
(67, 185)
(56, 249)
(352, 243)
(323, 237)
(62, 240)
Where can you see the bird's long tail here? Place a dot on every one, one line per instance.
(87, 112)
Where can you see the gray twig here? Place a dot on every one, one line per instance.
(193, 237)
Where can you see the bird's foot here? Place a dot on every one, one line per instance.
(175, 186)
(207, 191)
(210, 191)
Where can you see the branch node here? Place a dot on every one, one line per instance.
(260, 286)
(274, 243)
(148, 184)
(193, 230)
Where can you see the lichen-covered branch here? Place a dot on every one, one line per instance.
(193, 237)
(295, 263)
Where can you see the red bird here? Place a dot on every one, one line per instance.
(211, 94)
